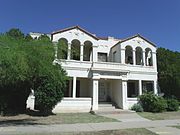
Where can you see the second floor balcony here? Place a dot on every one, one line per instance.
(103, 66)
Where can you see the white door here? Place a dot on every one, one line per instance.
(102, 91)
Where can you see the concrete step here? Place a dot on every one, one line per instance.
(105, 108)
(108, 108)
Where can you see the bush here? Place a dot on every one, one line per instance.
(172, 104)
(152, 103)
(137, 107)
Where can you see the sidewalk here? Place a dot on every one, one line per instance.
(160, 126)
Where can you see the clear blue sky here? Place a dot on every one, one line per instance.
(157, 20)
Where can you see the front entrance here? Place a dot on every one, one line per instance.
(102, 91)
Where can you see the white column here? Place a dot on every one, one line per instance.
(74, 87)
(69, 51)
(95, 83)
(56, 50)
(154, 60)
(140, 87)
(94, 53)
(134, 57)
(123, 56)
(144, 59)
(155, 87)
(124, 94)
(81, 52)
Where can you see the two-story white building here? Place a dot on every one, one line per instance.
(106, 69)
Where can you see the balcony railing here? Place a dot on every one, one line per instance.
(104, 66)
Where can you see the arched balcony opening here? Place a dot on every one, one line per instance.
(75, 49)
(87, 51)
(62, 48)
(148, 54)
(139, 56)
(129, 55)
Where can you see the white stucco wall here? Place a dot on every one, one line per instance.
(87, 69)
(117, 92)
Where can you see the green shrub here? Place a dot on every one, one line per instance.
(172, 104)
(152, 103)
(137, 107)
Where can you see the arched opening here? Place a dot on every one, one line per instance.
(139, 56)
(129, 55)
(75, 50)
(62, 48)
(87, 51)
(148, 54)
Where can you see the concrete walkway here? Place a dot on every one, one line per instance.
(124, 116)
(128, 119)
(159, 127)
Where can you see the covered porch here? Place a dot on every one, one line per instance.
(85, 94)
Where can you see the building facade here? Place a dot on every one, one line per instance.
(104, 69)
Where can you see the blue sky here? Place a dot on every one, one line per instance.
(157, 20)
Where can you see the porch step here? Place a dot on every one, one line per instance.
(105, 108)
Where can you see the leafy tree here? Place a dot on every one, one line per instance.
(15, 33)
(26, 64)
(28, 37)
(44, 37)
(169, 72)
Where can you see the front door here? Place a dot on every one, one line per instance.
(102, 91)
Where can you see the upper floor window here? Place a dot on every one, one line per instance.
(139, 56)
(102, 57)
(129, 55)
(75, 50)
(148, 54)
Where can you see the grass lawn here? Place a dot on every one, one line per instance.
(178, 126)
(160, 116)
(61, 118)
(138, 131)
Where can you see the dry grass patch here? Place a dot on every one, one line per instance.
(61, 118)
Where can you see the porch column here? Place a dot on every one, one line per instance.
(95, 94)
(144, 58)
(74, 87)
(123, 56)
(56, 50)
(140, 87)
(81, 52)
(155, 87)
(134, 57)
(124, 94)
(69, 51)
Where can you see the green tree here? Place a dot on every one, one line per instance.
(44, 37)
(169, 72)
(15, 33)
(26, 64)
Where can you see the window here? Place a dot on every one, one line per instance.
(132, 89)
(102, 57)
(129, 55)
(69, 88)
(147, 86)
